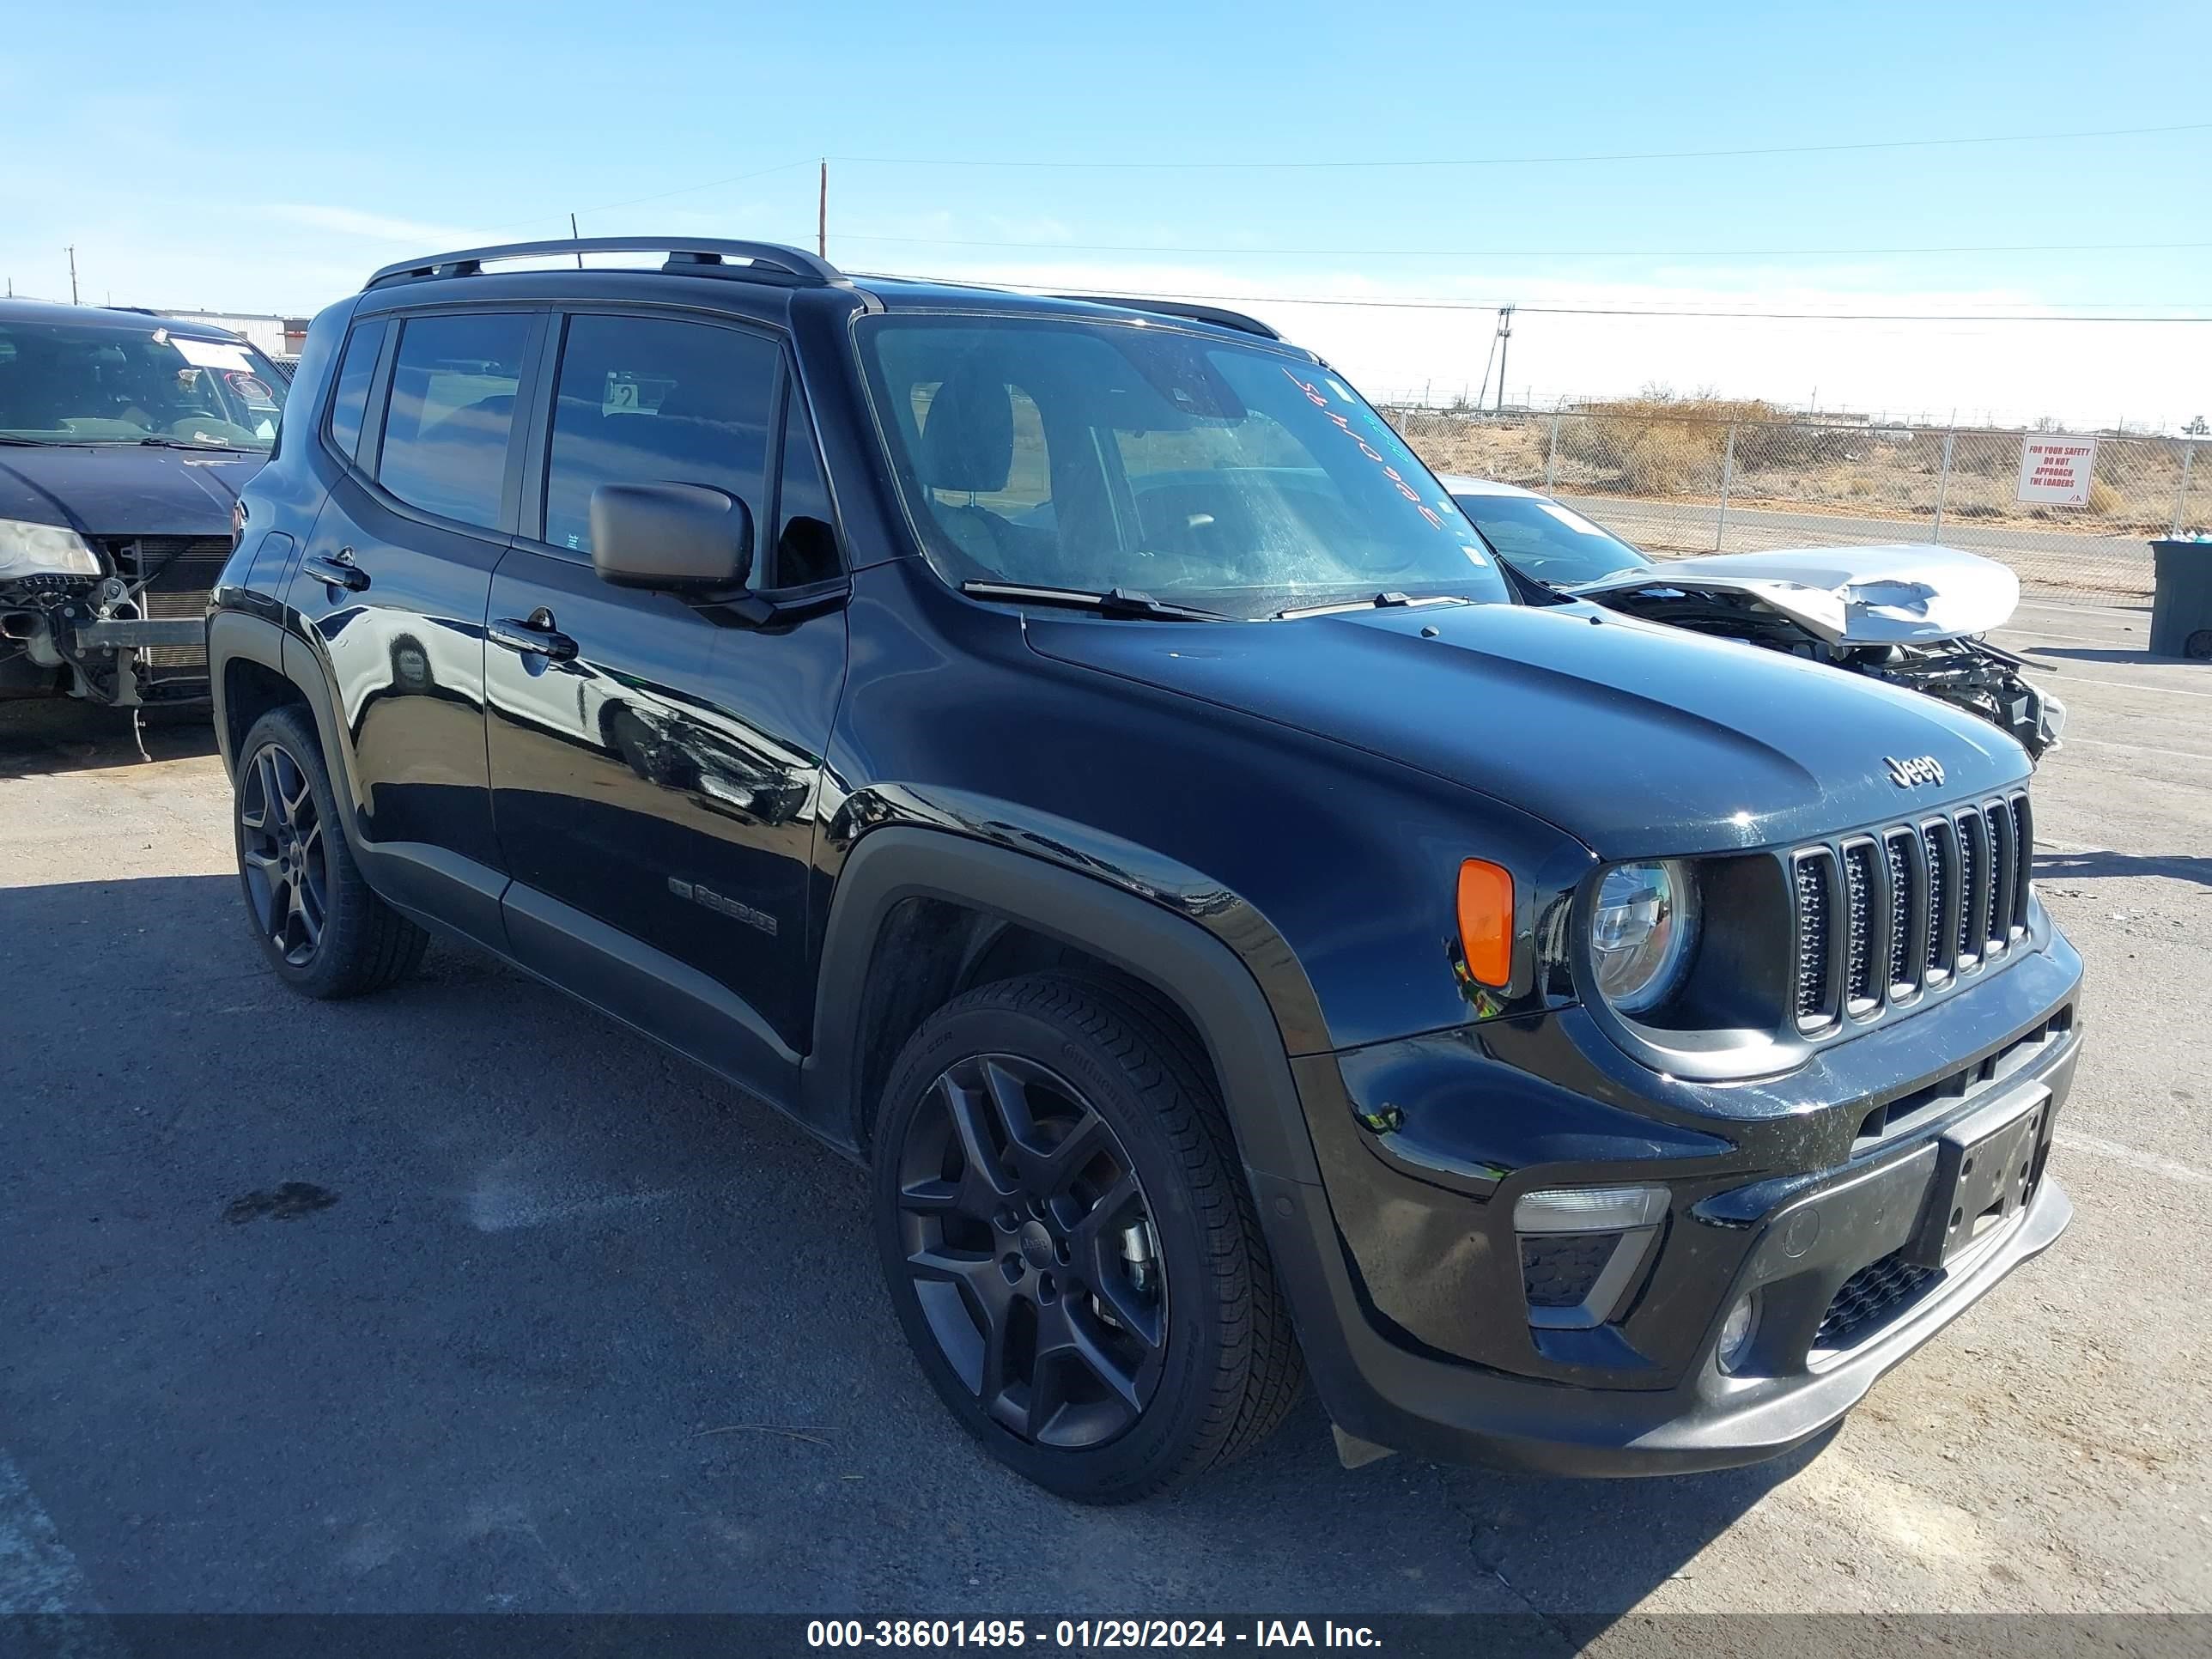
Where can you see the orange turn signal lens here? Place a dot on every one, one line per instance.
(1485, 921)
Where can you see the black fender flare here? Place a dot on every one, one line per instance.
(234, 636)
(1178, 956)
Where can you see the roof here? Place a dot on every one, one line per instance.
(770, 269)
(923, 293)
(1459, 485)
(135, 322)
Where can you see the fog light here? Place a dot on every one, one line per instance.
(1737, 1331)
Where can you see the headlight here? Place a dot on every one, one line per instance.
(44, 550)
(1641, 931)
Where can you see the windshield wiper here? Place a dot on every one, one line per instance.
(160, 443)
(1113, 602)
(1376, 602)
(30, 443)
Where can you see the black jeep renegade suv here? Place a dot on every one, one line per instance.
(1073, 757)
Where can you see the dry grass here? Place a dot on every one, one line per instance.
(1662, 448)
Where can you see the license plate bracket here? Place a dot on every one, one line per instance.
(1986, 1169)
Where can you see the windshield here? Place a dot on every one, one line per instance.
(1234, 478)
(1554, 544)
(84, 383)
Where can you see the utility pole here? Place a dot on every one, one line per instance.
(575, 235)
(822, 213)
(72, 254)
(1504, 344)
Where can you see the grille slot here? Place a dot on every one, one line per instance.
(1973, 888)
(1862, 901)
(1935, 840)
(1997, 829)
(1883, 915)
(1905, 891)
(1815, 992)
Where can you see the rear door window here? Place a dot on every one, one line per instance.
(451, 414)
(650, 399)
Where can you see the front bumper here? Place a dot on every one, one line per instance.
(1406, 1282)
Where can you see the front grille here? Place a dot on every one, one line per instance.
(1881, 917)
(1869, 1299)
(178, 573)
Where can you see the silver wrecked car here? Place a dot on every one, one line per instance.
(1913, 615)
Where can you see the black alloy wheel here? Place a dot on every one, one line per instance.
(1029, 1242)
(1070, 1242)
(322, 927)
(283, 854)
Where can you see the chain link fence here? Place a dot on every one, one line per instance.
(1686, 484)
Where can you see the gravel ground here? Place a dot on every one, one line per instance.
(581, 1331)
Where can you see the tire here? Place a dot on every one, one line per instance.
(1102, 1143)
(323, 929)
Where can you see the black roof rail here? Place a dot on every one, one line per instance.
(1186, 310)
(685, 253)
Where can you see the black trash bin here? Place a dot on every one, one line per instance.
(2181, 606)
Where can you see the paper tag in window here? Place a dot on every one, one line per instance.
(213, 354)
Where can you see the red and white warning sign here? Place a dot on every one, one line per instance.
(2056, 472)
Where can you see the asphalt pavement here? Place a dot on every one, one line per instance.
(463, 1298)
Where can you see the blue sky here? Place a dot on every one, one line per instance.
(267, 159)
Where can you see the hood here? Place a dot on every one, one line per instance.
(1899, 595)
(124, 490)
(1634, 739)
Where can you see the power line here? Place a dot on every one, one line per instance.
(1533, 253)
(1428, 304)
(1538, 161)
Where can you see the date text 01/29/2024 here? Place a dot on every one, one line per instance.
(1084, 1634)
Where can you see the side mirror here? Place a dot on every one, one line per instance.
(677, 538)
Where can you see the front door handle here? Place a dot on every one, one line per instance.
(336, 570)
(533, 635)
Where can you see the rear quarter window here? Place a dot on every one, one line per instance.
(349, 398)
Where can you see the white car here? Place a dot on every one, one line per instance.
(1911, 614)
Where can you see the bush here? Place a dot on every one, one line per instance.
(1659, 444)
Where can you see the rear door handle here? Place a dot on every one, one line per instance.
(336, 569)
(533, 635)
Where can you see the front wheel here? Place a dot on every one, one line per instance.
(1070, 1244)
(322, 928)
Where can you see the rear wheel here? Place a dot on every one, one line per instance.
(1070, 1244)
(323, 929)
